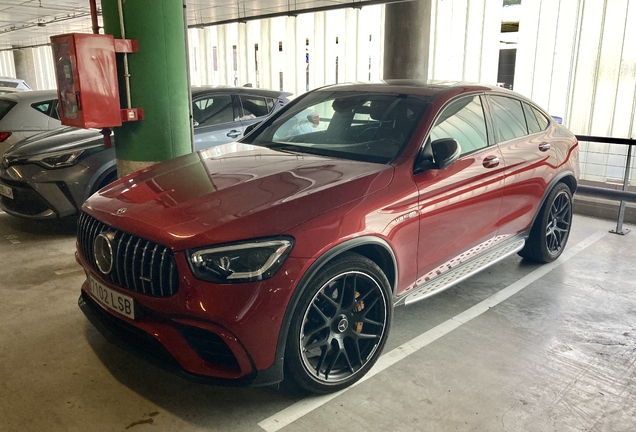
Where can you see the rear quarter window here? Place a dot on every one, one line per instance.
(541, 118)
(510, 121)
(5, 107)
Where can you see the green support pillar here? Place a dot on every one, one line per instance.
(158, 82)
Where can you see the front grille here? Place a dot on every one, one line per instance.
(138, 264)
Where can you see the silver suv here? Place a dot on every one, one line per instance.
(24, 114)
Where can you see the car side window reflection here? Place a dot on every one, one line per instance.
(541, 118)
(531, 119)
(254, 107)
(508, 117)
(464, 121)
(213, 110)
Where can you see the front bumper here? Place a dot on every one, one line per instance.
(44, 194)
(197, 334)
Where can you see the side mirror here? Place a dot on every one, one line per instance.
(445, 152)
(250, 128)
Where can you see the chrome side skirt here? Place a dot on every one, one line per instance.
(462, 272)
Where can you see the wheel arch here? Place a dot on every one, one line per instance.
(566, 177)
(100, 177)
(375, 248)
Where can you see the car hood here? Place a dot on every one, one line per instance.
(57, 140)
(232, 192)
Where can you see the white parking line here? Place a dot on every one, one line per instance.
(68, 270)
(307, 405)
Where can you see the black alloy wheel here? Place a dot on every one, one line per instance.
(340, 326)
(551, 229)
(559, 221)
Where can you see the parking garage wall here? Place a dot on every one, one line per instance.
(42, 62)
(577, 58)
(573, 57)
(7, 67)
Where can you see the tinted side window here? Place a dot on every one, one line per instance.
(464, 121)
(254, 107)
(5, 107)
(213, 110)
(270, 104)
(55, 110)
(11, 84)
(531, 120)
(48, 108)
(509, 118)
(543, 121)
(43, 107)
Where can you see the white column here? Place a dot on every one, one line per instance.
(624, 124)
(489, 61)
(203, 59)
(351, 45)
(331, 50)
(265, 49)
(304, 28)
(278, 58)
(364, 44)
(222, 41)
(7, 67)
(289, 49)
(193, 56)
(44, 73)
(584, 82)
(317, 53)
(563, 58)
(243, 52)
(380, 44)
(608, 68)
(214, 58)
(252, 39)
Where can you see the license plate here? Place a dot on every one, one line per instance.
(6, 191)
(111, 299)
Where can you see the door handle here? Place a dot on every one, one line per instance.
(544, 146)
(233, 133)
(490, 161)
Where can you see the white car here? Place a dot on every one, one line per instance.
(14, 83)
(23, 114)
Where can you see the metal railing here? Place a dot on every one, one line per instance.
(620, 195)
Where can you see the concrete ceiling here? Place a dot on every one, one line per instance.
(32, 22)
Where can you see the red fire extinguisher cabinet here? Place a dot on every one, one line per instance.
(86, 73)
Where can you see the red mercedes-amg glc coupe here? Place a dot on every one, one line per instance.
(283, 255)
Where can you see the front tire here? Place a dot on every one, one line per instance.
(551, 229)
(340, 325)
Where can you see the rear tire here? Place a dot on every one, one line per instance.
(551, 229)
(340, 325)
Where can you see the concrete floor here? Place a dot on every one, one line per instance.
(559, 355)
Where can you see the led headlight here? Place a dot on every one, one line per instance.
(60, 160)
(241, 262)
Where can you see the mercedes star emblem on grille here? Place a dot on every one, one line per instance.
(121, 211)
(103, 250)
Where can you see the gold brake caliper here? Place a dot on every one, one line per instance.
(358, 308)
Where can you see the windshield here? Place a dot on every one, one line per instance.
(371, 127)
